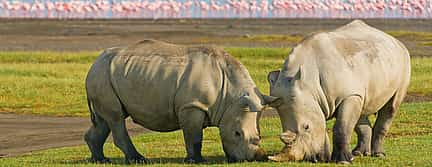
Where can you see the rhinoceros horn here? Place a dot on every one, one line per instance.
(271, 100)
(281, 157)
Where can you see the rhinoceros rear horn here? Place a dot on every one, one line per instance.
(253, 105)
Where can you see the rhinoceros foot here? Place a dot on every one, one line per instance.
(344, 162)
(361, 151)
(379, 154)
(342, 157)
(100, 160)
(138, 159)
(194, 160)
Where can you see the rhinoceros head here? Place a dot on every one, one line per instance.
(239, 128)
(303, 123)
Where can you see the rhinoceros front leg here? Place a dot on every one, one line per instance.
(347, 115)
(192, 122)
(123, 141)
(364, 135)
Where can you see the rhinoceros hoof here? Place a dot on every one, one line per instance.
(379, 154)
(100, 160)
(360, 153)
(194, 160)
(136, 160)
(344, 162)
(342, 157)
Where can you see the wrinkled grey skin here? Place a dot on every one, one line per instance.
(347, 74)
(166, 87)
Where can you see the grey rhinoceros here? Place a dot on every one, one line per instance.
(165, 87)
(349, 73)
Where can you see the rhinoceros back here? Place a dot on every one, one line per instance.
(380, 64)
(154, 80)
(361, 60)
(355, 59)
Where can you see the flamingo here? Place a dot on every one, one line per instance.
(228, 8)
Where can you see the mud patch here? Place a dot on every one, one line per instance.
(414, 98)
(27, 133)
(408, 134)
(79, 35)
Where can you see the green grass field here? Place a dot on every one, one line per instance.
(52, 83)
(408, 144)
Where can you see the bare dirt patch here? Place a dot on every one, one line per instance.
(413, 98)
(27, 133)
(79, 35)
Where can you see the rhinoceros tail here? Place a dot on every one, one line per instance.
(92, 114)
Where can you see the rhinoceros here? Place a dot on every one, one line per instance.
(166, 87)
(348, 74)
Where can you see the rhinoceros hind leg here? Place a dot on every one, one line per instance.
(122, 140)
(383, 123)
(348, 111)
(364, 135)
(96, 137)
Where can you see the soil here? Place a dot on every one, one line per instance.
(79, 35)
(27, 133)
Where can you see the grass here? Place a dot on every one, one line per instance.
(39, 57)
(52, 83)
(421, 78)
(274, 38)
(408, 144)
(412, 35)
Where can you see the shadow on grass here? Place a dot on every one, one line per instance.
(161, 160)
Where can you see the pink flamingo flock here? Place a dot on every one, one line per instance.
(217, 9)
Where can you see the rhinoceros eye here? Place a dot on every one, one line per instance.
(237, 133)
(306, 127)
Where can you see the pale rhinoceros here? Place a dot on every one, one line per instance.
(348, 74)
(165, 87)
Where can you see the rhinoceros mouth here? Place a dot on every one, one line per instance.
(289, 144)
(231, 159)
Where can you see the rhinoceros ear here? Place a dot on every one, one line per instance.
(300, 75)
(253, 105)
(272, 77)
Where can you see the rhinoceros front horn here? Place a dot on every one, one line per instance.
(281, 157)
(271, 100)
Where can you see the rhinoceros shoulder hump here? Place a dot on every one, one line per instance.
(150, 47)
